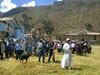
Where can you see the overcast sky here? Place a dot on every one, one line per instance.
(6, 5)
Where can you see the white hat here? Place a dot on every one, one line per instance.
(67, 39)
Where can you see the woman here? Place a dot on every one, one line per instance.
(51, 53)
(66, 60)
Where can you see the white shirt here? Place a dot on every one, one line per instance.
(40, 44)
(72, 45)
(18, 46)
(59, 45)
(66, 48)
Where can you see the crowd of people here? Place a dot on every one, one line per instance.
(11, 47)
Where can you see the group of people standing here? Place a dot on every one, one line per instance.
(9, 47)
(44, 47)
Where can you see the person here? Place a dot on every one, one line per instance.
(78, 48)
(29, 50)
(47, 47)
(89, 48)
(11, 47)
(73, 46)
(43, 51)
(7, 51)
(51, 53)
(18, 48)
(67, 57)
(23, 47)
(2, 49)
(59, 46)
(35, 49)
(40, 52)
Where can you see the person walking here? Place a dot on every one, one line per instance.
(67, 57)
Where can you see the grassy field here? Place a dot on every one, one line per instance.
(84, 65)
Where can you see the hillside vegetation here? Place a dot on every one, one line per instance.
(68, 16)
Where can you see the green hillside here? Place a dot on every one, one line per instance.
(68, 16)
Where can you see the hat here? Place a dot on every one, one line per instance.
(67, 39)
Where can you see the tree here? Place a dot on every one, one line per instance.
(48, 27)
(55, 2)
(25, 22)
(88, 26)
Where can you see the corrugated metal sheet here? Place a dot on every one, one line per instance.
(93, 33)
(6, 18)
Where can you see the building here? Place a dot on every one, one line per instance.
(89, 36)
(9, 28)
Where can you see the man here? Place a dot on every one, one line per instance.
(18, 48)
(66, 60)
(59, 46)
(23, 47)
(40, 50)
(2, 49)
(11, 47)
(7, 48)
(73, 46)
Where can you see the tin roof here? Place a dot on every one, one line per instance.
(6, 19)
(93, 33)
(10, 20)
(88, 33)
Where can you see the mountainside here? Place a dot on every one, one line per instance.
(0, 13)
(14, 11)
(68, 16)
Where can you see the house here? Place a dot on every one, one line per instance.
(89, 36)
(9, 28)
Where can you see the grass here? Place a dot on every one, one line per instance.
(84, 65)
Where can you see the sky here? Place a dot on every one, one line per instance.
(6, 5)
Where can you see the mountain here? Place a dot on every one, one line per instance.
(0, 13)
(68, 16)
(14, 11)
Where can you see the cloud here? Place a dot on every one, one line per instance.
(59, 0)
(7, 5)
(30, 4)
